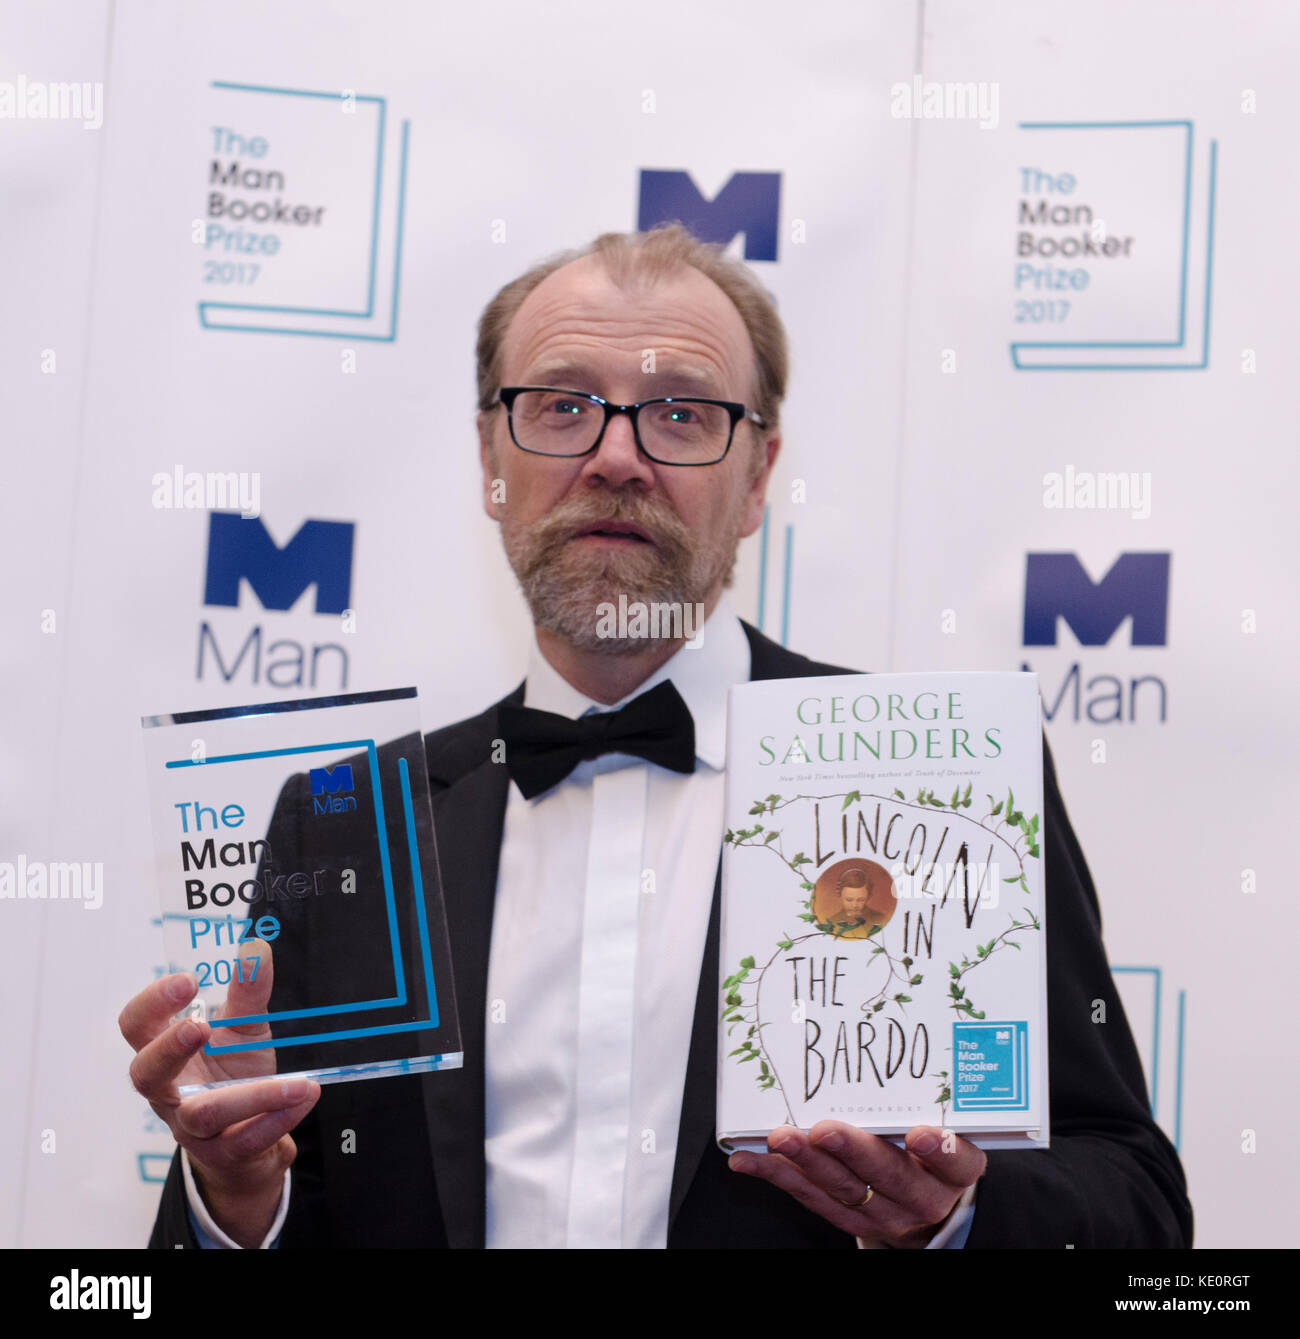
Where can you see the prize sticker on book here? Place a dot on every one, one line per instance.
(989, 1060)
(883, 956)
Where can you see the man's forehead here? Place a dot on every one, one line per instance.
(670, 374)
(579, 323)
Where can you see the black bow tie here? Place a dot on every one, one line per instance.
(542, 747)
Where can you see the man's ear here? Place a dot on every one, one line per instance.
(492, 485)
(757, 495)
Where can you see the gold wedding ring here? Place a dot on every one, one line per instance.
(857, 1204)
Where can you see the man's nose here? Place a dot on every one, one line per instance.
(617, 460)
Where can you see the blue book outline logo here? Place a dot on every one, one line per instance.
(417, 879)
(1022, 351)
(213, 315)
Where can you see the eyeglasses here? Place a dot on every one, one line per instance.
(671, 431)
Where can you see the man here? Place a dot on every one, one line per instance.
(584, 1115)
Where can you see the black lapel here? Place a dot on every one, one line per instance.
(469, 805)
(768, 660)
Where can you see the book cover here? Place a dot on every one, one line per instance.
(882, 953)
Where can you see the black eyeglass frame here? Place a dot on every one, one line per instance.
(507, 395)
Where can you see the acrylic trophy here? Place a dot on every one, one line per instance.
(298, 873)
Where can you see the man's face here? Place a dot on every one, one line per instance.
(580, 532)
(855, 903)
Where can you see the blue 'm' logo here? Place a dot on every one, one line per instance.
(321, 552)
(1056, 585)
(750, 202)
(331, 780)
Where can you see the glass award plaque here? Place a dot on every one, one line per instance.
(298, 874)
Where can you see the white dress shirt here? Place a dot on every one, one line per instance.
(602, 909)
(603, 896)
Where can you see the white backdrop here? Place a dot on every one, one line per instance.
(341, 372)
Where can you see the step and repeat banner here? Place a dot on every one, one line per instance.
(1036, 265)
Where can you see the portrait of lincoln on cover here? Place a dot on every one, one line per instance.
(854, 896)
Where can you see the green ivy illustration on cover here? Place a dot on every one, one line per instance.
(902, 969)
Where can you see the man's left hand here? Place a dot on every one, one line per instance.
(829, 1169)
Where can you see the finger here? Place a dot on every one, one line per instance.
(148, 1013)
(888, 1169)
(879, 1218)
(840, 1182)
(953, 1160)
(250, 991)
(238, 1145)
(207, 1114)
(155, 1067)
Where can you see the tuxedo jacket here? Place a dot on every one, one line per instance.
(413, 1173)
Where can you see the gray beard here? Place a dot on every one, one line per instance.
(564, 589)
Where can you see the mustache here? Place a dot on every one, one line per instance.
(664, 527)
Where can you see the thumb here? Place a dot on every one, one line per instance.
(250, 985)
(954, 1160)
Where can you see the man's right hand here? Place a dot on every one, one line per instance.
(237, 1137)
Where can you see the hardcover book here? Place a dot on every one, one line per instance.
(882, 950)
